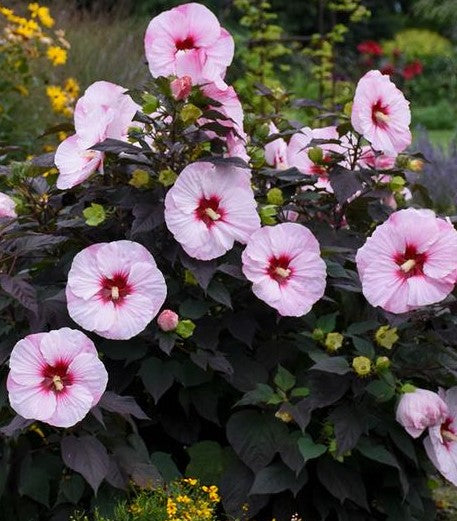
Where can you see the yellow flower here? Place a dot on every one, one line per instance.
(57, 97)
(72, 87)
(171, 507)
(333, 341)
(362, 365)
(45, 17)
(56, 55)
(183, 499)
(190, 481)
(62, 136)
(386, 336)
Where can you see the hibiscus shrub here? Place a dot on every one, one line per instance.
(257, 315)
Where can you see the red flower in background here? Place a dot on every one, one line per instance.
(388, 69)
(411, 70)
(370, 47)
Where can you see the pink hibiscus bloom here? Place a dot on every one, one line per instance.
(209, 208)
(285, 266)
(75, 164)
(230, 107)
(409, 261)
(55, 377)
(441, 443)
(379, 161)
(297, 153)
(381, 113)
(105, 111)
(115, 289)
(420, 409)
(7, 206)
(276, 151)
(188, 41)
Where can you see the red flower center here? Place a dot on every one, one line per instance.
(447, 432)
(380, 114)
(279, 269)
(56, 377)
(209, 211)
(185, 45)
(411, 262)
(115, 289)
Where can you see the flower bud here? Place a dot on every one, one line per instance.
(185, 328)
(416, 165)
(181, 87)
(382, 363)
(190, 113)
(318, 335)
(167, 177)
(167, 320)
(333, 341)
(362, 365)
(386, 336)
(274, 196)
(284, 416)
(316, 154)
(420, 409)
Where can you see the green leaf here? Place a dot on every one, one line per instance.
(206, 462)
(327, 322)
(364, 347)
(309, 449)
(300, 392)
(381, 390)
(72, 487)
(261, 394)
(283, 379)
(358, 328)
(94, 214)
(165, 465)
(334, 364)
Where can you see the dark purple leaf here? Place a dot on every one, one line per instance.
(16, 426)
(20, 290)
(124, 405)
(87, 456)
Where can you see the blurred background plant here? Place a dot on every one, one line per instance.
(32, 48)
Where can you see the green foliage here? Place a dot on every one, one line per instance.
(419, 43)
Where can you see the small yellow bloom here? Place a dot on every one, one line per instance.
(72, 87)
(56, 55)
(284, 416)
(183, 499)
(171, 507)
(333, 341)
(190, 481)
(23, 91)
(361, 365)
(386, 336)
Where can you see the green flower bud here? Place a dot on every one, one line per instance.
(382, 363)
(274, 196)
(140, 178)
(267, 214)
(386, 336)
(397, 183)
(190, 113)
(318, 335)
(185, 328)
(362, 365)
(333, 341)
(167, 177)
(316, 154)
(94, 214)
